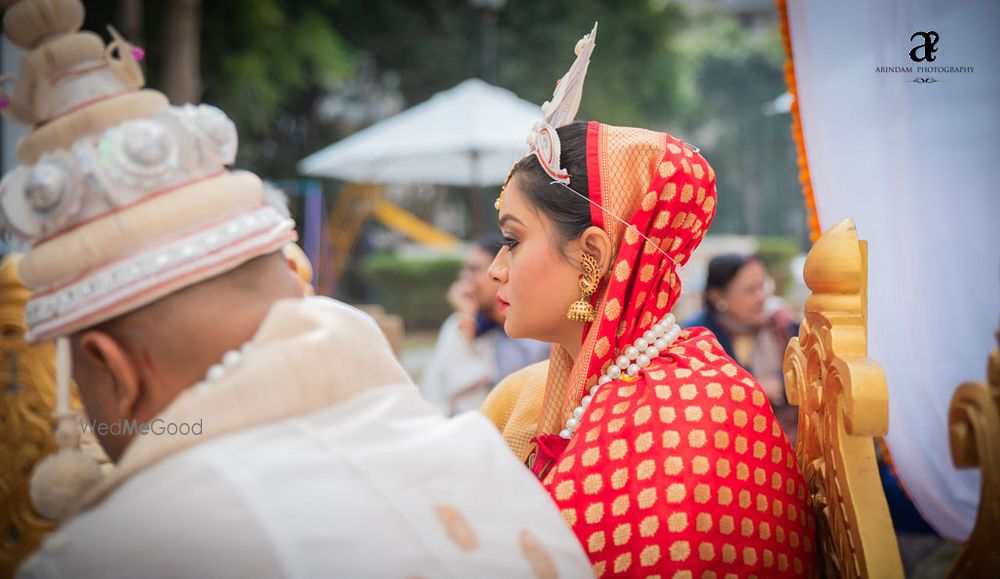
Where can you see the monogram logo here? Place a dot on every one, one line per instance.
(929, 46)
(922, 53)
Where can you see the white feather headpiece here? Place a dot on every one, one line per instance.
(561, 111)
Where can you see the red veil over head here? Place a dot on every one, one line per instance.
(665, 190)
(682, 467)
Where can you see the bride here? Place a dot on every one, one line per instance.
(661, 452)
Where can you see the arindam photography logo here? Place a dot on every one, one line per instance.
(923, 49)
(157, 427)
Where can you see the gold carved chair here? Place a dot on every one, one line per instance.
(974, 425)
(26, 404)
(843, 403)
(27, 399)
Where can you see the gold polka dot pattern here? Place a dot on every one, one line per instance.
(694, 502)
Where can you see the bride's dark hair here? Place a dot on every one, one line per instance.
(569, 212)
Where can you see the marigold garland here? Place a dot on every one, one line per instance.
(800, 144)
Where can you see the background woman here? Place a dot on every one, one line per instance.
(750, 326)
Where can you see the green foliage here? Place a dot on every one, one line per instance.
(266, 53)
(432, 44)
(632, 81)
(733, 71)
(265, 63)
(736, 70)
(413, 288)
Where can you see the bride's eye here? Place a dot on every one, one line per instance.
(508, 242)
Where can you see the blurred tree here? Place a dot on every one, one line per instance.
(735, 71)
(269, 63)
(182, 63)
(265, 62)
(131, 21)
(434, 45)
(296, 75)
(632, 77)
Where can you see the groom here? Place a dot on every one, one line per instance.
(159, 274)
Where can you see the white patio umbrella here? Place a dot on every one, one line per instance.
(468, 135)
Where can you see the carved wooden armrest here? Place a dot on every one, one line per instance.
(843, 402)
(974, 432)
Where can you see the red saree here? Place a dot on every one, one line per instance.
(683, 470)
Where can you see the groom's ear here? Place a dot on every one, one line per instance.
(101, 350)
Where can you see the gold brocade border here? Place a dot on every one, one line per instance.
(800, 144)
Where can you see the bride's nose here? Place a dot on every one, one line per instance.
(498, 269)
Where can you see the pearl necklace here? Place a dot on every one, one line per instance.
(229, 360)
(634, 358)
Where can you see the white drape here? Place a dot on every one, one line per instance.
(916, 166)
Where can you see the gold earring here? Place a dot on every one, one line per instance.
(581, 310)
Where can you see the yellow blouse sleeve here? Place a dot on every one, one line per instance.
(515, 404)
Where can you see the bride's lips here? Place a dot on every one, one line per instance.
(504, 304)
